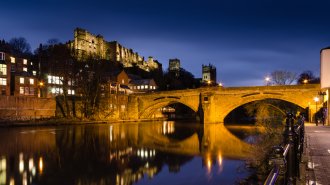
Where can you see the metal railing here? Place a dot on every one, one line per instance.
(286, 160)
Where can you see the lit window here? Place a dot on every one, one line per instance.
(122, 107)
(12, 59)
(142, 86)
(102, 88)
(138, 87)
(50, 79)
(3, 81)
(3, 69)
(154, 87)
(103, 95)
(31, 81)
(53, 90)
(146, 86)
(34, 73)
(26, 90)
(134, 87)
(21, 90)
(110, 105)
(57, 90)
(57, 80)
(122, 81)
(21, 80)
(2, 56)
(69, 91)
(61, 91)
(25, 69)
(31, 91)
(24, 61)
(61, 80)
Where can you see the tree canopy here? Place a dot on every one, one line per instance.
(19, 45)
(282, 77)
(309, 76)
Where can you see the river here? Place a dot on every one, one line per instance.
(162, 152)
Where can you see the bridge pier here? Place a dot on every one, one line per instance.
(208, 108)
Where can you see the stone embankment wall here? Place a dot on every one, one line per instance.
(25, 108)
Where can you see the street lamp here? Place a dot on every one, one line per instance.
(305, 81)
(267, 79)
(316, 100)
(209, 82)
(220, 84)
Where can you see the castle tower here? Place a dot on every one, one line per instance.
(174, 66)
(209, 73)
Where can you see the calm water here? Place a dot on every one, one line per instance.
(136, 153)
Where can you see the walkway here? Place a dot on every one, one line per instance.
(318, 153)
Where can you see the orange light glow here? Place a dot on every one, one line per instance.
(220, 160)
(41, 83)
(267, 79)
(40, 164)
(209, 163)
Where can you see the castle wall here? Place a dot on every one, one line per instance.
(87, 43)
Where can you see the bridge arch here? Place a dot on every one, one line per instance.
(149, 110)
(233, 105)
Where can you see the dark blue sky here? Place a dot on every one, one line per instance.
(244, 39)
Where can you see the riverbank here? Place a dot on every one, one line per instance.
(62, 121)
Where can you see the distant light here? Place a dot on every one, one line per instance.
(209, 163)
(267, 79)
(40, 164)
(316, 99)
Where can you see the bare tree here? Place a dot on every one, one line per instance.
(19, 45)
(283, 77)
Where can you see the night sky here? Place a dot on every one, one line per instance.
(244, 39)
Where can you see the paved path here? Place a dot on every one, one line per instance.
(318, 153)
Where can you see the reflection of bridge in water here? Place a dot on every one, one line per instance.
(111, 153)
(214, 104)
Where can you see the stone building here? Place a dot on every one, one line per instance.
(24, 84)
(86, 44)
(174, 66)
(209, 73)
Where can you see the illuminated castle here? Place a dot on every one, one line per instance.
(87, 44)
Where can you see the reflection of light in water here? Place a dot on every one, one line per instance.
(142, 153)
(138, 152)
(30, 164)
(122, 135)
(146, 153)
(150, 153)
(34, 171)
(3, 170)
(220, 160)
(40, 164)
(154, 152)
(168, 127)
(12, 181)
(111, 127)
(209, 163)
(24, 179)
(21, 163)
(147, 165)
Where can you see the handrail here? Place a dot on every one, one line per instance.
(272, 176)
(286, 159)
(286, 149)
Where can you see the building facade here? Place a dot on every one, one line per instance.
(86, 44)
(209, 74)
(174, 66)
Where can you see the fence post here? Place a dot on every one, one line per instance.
(296, 144)
(278, 161)
(289, 137)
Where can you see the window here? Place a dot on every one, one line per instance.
(21, 90)
(34, 73)
(21, 80)
(24, 61)
(142, 86)
(102, 88)
(3, 69)
(206, 98)
(31, 81)
(138, 87)
(146, 86)
(154, 87)
(3, 81)
(114, 106)
(122, 107)
(25, 69)
(12, 59)
(2, 56)
(110, 105)
(53, 90)
(26, 90)
(71, 92)
(103, 95)
(57, 80)
(122, 81)
(31, 91)
(13, 69)
(134, 87)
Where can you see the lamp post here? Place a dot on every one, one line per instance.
(267, 79)
(316, 100)
(41, 84)
(220, 84)
(209, 82)
(305, 81)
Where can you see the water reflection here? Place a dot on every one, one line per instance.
(113, 154)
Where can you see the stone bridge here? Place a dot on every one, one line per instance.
(215, 103)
